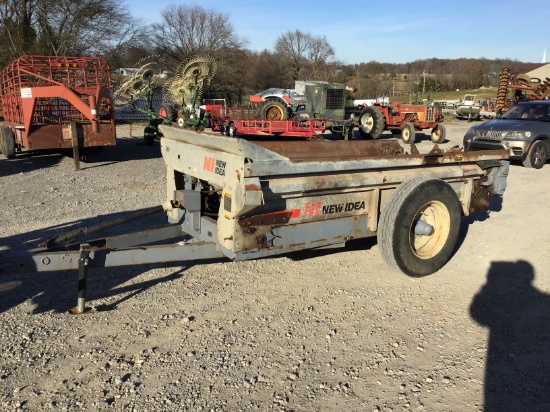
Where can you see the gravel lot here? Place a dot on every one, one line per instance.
(322, 330)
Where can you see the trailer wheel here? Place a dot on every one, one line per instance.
(231, 130)
(272, 109)
(418, 227)
(439, 133)
(371, 123)
(8, 142)
(408, 133)
(537, 155)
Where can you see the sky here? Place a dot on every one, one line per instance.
(394, 31)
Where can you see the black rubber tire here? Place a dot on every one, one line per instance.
(537, 155)
(149, 136)
(231, 130)
(439, 133)
(421, 198)
(408, 133)
(371, 123)
(272, 109)
(8, 143)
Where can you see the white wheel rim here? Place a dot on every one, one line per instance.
(367, 122)
(435, 214)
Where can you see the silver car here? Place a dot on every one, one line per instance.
(524, 129)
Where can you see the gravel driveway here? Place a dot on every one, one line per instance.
(325, 330)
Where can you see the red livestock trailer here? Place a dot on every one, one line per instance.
(55, 102)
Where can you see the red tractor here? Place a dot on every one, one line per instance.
(401, 118)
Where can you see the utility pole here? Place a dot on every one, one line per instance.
(424, 86)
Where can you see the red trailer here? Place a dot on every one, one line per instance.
(55, 102)
(236, 121)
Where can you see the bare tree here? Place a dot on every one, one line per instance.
(65, 27)
(305, 53)
(77, 27)
(188, 30)
(17, 32)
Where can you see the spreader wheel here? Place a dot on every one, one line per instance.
(418, 227)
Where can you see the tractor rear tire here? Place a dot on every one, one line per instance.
(408, 133)
(419, 225)
(272, 109)
(371, 123)
(7, 142)
(439, 133)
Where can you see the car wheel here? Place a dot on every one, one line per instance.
(537, 155)
(418, 227)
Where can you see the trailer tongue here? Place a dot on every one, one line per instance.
(239, 199)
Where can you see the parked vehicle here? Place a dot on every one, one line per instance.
(243, 199)
(323, 100)
(467, 108)
(524, 129)
(55, 102)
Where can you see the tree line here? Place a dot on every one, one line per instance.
(106, 28)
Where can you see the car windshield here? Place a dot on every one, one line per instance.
(529, 111)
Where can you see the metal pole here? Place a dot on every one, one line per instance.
(65, 237)
(83, 265)
(424, 86)
(74, 141)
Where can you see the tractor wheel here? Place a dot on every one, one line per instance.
(8, 143)
(371, 123)
(537, 155)
(149, 136)
(418, 227)
(272, 109)
(408, 133)
(438, 133)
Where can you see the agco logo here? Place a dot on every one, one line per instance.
(214, 166)
(317, 208)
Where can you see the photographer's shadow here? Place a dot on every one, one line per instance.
(517, 374)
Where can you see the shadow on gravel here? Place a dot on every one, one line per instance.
(495, 205)
(350, 246)
(126, 149)
(517, 373)
(57, 291)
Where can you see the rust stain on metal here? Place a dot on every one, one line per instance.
(331, 150)
(277, 218)
(252, 187)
